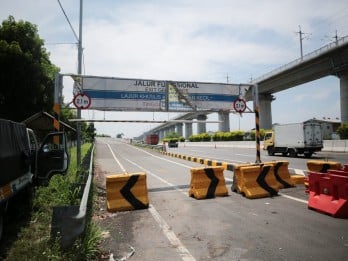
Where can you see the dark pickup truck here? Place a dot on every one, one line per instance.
(24, 163)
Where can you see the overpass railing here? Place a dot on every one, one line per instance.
(329, 47)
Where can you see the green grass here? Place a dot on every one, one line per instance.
(33, 241)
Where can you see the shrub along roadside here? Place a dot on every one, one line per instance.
(33, 240)
(226, 136)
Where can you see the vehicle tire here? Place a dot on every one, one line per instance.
(270, 151)
(308, 154)
(292, 153)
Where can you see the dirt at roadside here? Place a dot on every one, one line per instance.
(116, 228)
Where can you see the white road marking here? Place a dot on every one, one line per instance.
(167, 231)
(186, 166)
(173, 239)
(157, 177)
(115, 158)
(293, 198)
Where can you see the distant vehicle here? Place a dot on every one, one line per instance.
(294, 139)
(152, 139)
(23, 163)
(173, 144)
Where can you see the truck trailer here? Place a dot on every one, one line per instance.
(23, 163)
(294, 139)
(152, 139)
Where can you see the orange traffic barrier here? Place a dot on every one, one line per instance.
(298, 179)
(328, 193)
(207, 183)
(322, 166)
(126, 192)
(282, 174)
(255, 181)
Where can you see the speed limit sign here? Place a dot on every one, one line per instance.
(82, 101)
(239, 105)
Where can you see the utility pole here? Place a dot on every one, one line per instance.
(302, 37)
(79, 72)
(300, 33)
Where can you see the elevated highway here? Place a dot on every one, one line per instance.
(331, 59)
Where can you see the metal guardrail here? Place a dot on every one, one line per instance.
(329, 47)
(68, 222)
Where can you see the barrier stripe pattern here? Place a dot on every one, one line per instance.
(128, 195)
(262, 182)
(213, 184)
(56, 110)
(278, 178)
(257, 135)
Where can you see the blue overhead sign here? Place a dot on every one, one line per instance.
(121, 94)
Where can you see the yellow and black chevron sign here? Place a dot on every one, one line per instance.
(126, 192)
(322, 166)
(207, 183)
(281, 174)
(255, 181)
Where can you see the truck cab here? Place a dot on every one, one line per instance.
(294, 139)
(24, 162)
(268, 140)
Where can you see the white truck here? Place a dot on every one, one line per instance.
(293, 139)
(24, 163)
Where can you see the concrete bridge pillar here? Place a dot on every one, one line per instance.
(344, 96)
(201, 126)
(188, 130)
(224, 116)
(265, 110)
(161, 134)
(179, 129)
(165, 132)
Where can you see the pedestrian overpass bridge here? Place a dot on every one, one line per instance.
(331, 59)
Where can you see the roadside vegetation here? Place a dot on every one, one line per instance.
(173, 137)
(32, 239)
(343, 131)
(226, 136)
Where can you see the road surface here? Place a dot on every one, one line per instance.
(179, 227)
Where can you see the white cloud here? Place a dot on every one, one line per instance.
(196, 40)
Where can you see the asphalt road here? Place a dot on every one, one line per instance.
(242, 155)
(178, 227)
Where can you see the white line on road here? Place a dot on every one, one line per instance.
(173, 239)
(118, 162)
(293, 198)
(281, 194)
(167, 231)
(157, 177)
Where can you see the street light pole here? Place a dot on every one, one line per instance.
(79, 72)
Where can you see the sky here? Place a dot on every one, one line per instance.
(190, 40)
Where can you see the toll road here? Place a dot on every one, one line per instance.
(248, 155)
(179, 227)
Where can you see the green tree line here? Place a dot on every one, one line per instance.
(27, 75)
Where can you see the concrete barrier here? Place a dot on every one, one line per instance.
(207, 183)
(329, 145)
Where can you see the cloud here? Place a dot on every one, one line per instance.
(193, 40)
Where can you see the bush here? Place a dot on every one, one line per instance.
(343, 131)
(34, 237)
(200, 137)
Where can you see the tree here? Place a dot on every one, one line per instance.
(26, 73)
(343, 131)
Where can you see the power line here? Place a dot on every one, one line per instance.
(302, 37)
(72, 29)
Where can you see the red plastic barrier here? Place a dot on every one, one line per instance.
(338, 172)
(328, 193)
(345, 167)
